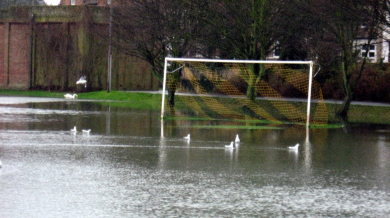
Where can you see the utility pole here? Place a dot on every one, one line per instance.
(109, 49)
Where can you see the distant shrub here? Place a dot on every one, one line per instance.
(374, 85)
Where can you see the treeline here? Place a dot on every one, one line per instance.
(336, 34)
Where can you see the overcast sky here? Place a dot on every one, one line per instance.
(52, 2)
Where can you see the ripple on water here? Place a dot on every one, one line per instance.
(206, 194)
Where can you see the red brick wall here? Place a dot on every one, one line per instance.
(102, 2)
(19, 56)
(59, 58)
(3, 54)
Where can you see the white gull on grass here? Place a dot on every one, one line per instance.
(70, 96)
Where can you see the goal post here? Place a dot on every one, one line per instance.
(218, 89)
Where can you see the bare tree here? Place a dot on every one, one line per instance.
(339, 24)
(154, 29)
(248, 30)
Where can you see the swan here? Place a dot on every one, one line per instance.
(293, 148)
(187, 137)
(82, 81)
(86, 131)
(70, 96)
(74, 129)
(230, 146)
(237, 139)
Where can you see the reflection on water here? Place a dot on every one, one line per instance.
(124, 168)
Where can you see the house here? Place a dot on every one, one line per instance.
(86, 2)
(378, 49)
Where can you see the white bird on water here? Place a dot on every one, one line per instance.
(187, 137)
(86, 131)
(74, 130)
(293, 148)
(230, 146)
(82, 81)
(70, 96)
(237, 139)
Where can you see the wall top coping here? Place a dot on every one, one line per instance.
(47, 14)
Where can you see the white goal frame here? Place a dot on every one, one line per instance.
(170, 59)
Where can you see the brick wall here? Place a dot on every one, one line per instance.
(15, 55)
(60, 50)
(3, 54)
(19, 56)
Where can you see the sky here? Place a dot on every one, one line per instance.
(52, 2)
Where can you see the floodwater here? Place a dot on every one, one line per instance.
(125, 168)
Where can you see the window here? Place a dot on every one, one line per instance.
(364, 25)
(72, 2)
(371, 51)
(90, 2)
(277, 50)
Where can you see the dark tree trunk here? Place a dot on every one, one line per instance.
(171, 98)
(344, 108)
(251, 92)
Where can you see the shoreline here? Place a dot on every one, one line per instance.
(359, 113)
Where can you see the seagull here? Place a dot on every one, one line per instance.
(187, 137)
(293, 148)
(86, 131)
(74, 129)
(1, 165)
(70, 96)
(82, 81)
(230, 146)
(237, 139)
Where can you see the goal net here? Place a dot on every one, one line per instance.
(260, 91)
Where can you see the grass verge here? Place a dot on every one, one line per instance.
(114, 98)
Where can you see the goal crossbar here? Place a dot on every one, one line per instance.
(171, 59)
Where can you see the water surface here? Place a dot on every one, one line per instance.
(125, 168)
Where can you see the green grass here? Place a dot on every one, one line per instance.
(357, 114)
(114, 98)
(32, 93)
(235, 127)
(126, 99)
(363, 114)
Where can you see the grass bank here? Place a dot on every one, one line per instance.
(362, 114)
(114, 98)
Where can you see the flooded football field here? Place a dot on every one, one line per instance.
(132, 165)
